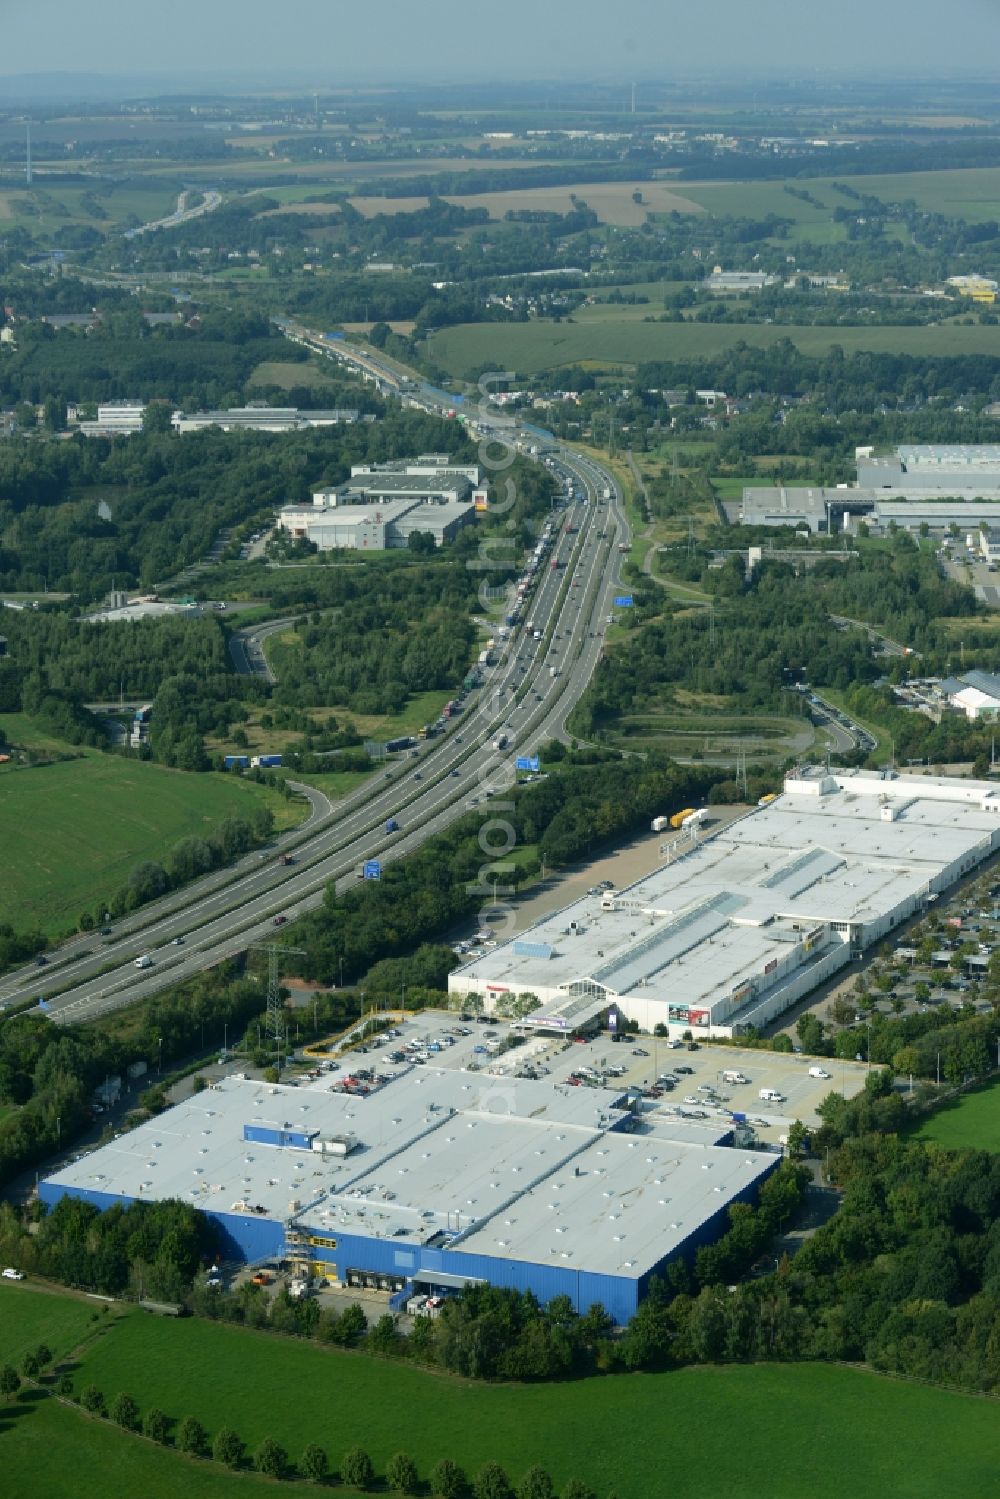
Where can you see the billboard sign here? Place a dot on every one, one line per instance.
(372, 869)
(697, 1017)
(528, 762)
(623, 601)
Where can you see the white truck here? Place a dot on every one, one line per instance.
(144, 962)
(695, 818)
(500, 742)
(770, 1095)
(660, 824)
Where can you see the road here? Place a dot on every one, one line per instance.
(222, 915)
(181, 214)
(846, 734)
(246, 647)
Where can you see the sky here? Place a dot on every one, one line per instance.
(337, 42)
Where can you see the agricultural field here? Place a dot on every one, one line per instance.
(624, 342)
(73, 830)
(611, 201)
(971, 1122)
(637, 1425)
(43, 209)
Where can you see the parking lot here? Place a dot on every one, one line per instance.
(441, 1039)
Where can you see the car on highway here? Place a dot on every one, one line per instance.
(41, 961)
(105, 931)
(279, 920)
(456, 772)
(177, 942)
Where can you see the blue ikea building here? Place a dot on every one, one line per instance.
(437, 1179)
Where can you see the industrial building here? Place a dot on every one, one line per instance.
(736, 927)
(833, 511)
(975, 693)
(961, 469)
(261, 418)
(440, 1178)
(382, 505)
(917, 485)
(116, 419)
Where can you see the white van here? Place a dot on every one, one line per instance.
(734, 1077)
(770, 1095)
(818, 1072)
(144, 962)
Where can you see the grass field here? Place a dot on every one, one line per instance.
(970, 1122)
(287, 373)
(29, 1317)
(788, 1423)
(72, 831)
(55, 1450)
(627, 341)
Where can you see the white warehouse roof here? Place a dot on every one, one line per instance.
(737, 927)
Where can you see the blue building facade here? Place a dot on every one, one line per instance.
(399, 1266)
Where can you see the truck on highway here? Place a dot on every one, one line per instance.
(606, 492)
(536, 634)
(144, 962)
(680, 818)
(553, 671)
(555, 564)
(500, 742)
(265, 761)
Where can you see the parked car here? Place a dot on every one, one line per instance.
(11, 1274)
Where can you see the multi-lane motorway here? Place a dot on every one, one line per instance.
(527, 697)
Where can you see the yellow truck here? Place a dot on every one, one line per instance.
(680, 817)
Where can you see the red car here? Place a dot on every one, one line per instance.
(279, 920)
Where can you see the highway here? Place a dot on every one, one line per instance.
(182, 214)
(222, 915)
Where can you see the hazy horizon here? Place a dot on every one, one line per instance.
(329, 44)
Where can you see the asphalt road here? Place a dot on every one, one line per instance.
(246, 648)
(224, 914)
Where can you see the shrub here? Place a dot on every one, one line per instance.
(401, 1473)
(577, 1489)
(92, 1400)
(227, 1447)
(314, 1464)
(270, 1458)
(10, 1381)
(491, 1482)
(124, 1411)
(447, 1480)
(155, 1425)
(29, 1366)
(536, 1484)
(356, 1470)
(43, 1355)
(65, 1386)
(192, 1437)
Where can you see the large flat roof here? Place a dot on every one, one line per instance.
(500, 1165)
(732, 908)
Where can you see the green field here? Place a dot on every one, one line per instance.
(625, 342)
(802, 1428)
(53, 1449)
(29, 1317)
(971, 1122)
(72, 831)
(286, 374)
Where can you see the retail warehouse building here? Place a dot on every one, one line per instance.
(440, 1178)
(738, 926)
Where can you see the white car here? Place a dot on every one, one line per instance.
(11, 1274)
